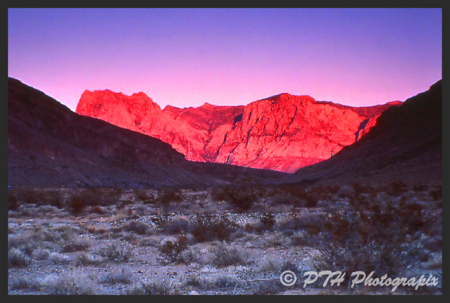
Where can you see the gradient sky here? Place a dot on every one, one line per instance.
(186, 57)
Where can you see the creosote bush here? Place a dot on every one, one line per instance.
(93, 197)
(373, 240)
(208, 228)
(38, 196)
(172, 250)
(169, 195)
(225, 255)
(241, 197)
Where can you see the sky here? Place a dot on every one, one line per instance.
(186, 57)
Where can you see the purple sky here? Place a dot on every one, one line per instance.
(186, 57)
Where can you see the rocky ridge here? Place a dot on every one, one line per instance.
(282, 132)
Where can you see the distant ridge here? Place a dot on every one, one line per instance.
(282, 132)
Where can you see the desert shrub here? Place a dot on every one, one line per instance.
(93, 197)
(188, 256)
(241, 197)
(296, 195)
(141, 209)
(36, 196)
(144, 196)
(23, 283)
(60, 259)
(269, 287)
(115, 251)
(396, 188)
(172, 250)
(155, 288)
(40, 254)
(118, 276)
(346, 191)
(77, 244)
(436, 193)
(224, 255)
(64, 232)
(84, 259)
(12, 203)
(208, 228)
(248, 228)
(167, 196)
(77, 204)
(223, 281)
(178, 224)
(420, 187)
(312, 224)
(97, 210)
(69, 284)
(17, 258)
(137, 227)
(292, 266)
(266, 222)
(193, 280)
(362, 188)
(373, 241)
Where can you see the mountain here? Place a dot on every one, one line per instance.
(283, 132)
(51, 146)
(405, 144)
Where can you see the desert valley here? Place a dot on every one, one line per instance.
(123, 197)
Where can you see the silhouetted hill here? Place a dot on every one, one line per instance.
(405, 144)
(51, 146)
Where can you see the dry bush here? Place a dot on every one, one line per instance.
(143, 195)
(85, 259)
(36, 196)
(296, 195)
(241, 197)
(209, 228)
(384, 242)
(167, 196)
(178, 224)
(122, 276)
(397, 188)
(155, 288)
(224, 255)
(13, 204)
(22, 282)
(266, 222)
(436, 193)
(137, 227)
(311, 224)
(76, 244)
(17, 258)
(93, 197)
(115, 251)
(69, 284)
(270, 287)
(172, 250)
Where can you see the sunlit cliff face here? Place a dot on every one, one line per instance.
(283, 132)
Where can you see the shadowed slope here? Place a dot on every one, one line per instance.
(405, 144)
(50, 146)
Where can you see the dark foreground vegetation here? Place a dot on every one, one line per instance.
(230, 240)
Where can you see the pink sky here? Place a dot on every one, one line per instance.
(186, 57)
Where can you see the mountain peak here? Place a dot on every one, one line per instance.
(282, 132)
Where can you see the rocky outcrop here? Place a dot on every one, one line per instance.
(283, 132)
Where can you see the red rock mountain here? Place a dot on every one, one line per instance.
(51, 146)
(283, 132)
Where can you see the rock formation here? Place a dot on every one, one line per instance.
(283, 132)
